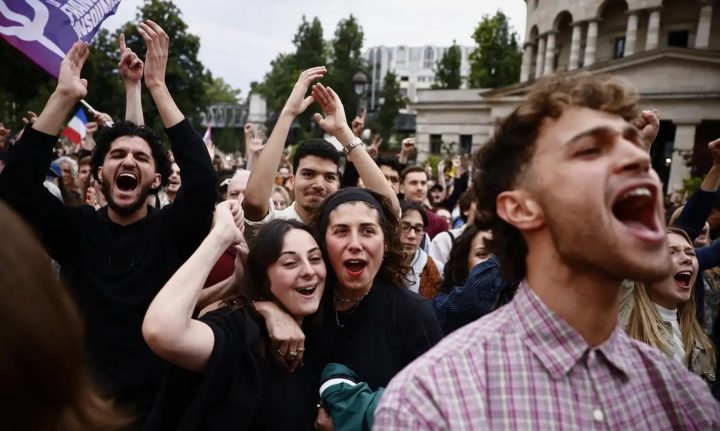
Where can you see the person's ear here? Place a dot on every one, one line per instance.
(100, 174)
(156, 181)
(291, 181)
(520, 209)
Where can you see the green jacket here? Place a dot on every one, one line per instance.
(351, 403)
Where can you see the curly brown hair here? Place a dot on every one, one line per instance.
(501, 161)
(392, 270)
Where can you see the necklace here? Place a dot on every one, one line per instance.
(343, 300)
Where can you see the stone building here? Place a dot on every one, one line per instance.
(669, 49)
(414, 66)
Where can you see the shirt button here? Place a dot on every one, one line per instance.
(598, 415)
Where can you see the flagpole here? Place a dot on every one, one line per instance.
(93, 111)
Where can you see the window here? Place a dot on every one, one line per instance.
(465, 144)
(435, 144)
(619, 47)
(428, 58)
(678, 38)
(404, 78)
(401, 55)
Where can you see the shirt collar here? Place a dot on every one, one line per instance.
(554, 342)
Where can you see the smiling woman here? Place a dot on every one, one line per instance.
(228, 375)
(662, 314)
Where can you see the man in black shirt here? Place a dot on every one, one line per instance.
(117, 258)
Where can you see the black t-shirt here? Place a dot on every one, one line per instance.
(115, 271)
(240, 388)
(389, 329)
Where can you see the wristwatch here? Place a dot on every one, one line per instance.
(354, 142)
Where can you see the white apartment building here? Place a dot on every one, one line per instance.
(414, 66)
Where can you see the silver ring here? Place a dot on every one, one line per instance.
(280, 352)
(292, 354)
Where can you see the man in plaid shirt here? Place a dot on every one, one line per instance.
(574, 206)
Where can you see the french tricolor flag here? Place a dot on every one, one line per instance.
(76, 128)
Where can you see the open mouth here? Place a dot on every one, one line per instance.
(306, 291)
(636, 208)
(683, 278)
(355, 267)
(126, 181)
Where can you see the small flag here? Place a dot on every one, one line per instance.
(76, 128)
(207, 137)
(44, 30)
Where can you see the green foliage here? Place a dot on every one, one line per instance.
(393, 101)
(219, 91)
(447, 74)
(690, 185)
(342, 56)
(346, 61)
(495, 62)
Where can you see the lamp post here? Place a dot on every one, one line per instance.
(360, 84)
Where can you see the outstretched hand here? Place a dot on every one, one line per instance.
(358, 123)
(158, 43)
(297, 103)
(69, 82)
(649, 124)
(330, 103)
(130, 65)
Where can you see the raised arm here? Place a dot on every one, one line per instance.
(69, 91)
(169, 328)
(131, 72)
(699, 206)
(21, 183)
(158, 42)
(262, 177)
(336, 124)
(649, 124)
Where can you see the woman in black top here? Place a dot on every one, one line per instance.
(376, 325)
(227, 375)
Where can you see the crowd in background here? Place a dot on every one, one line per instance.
(287, 289)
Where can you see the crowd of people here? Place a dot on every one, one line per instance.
(535, 286)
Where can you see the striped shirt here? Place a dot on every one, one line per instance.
(524, 368)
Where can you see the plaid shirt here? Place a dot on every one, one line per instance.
(523, 367)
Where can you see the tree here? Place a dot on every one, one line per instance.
(447, 75)
(393, 101)
(309, 44)
(219, 91)
(495, 62)
(347, 60)
(186, 77)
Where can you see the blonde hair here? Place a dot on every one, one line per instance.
(646, 325)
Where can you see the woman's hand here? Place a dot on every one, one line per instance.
(229, 222)
(286, 337)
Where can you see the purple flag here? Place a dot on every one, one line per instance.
(44, 30)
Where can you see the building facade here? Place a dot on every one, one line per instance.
(668, 49)
(414, 67)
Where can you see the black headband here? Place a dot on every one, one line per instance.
(351, 194)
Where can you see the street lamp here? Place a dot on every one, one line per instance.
(360, 83)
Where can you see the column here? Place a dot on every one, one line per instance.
(653, 32)
(702, 39)
(590, 43)
(631, 34)
(575, 47)
(526, 62)
(684, 141)
(549, 54)
(540, 57)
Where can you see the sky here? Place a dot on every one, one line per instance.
(239, 38)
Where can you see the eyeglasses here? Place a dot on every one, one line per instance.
(418, 228)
